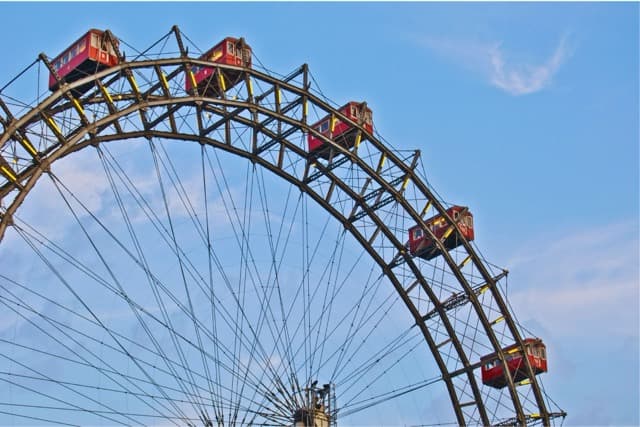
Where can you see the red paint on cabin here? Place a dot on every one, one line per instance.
(89, 54)
(342, 132)
(421, 245)
(230, 51)
(492, 369)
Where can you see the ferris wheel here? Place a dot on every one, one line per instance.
(192, 239)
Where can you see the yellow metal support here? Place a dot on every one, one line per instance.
(27, 145)
(426, 208)
(484, 289)
(465, 261)
(250, 88)
(498, 320)
(333, 123)
(54, 125)
(106, 94)
(525, 382)
(164, 81)
(358, 139)
(405, 182)
(447, 233)
(134, 83)
(305, 108)
(383, 159)
(193, 79)
(78, 106)
(8, 173)
(223, 85)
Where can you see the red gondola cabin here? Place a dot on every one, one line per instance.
(91, 53)
(341, 132)
(230, 51)
(492, 371)
(422, 246)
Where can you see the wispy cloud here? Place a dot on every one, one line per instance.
(581, 284)
(500, 67)
(580, 291)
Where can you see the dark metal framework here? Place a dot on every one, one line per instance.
(146, 98)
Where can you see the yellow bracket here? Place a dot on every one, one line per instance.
(27, 145)
(405, 182)
(465, 261)
(223, 85)
(164, 81)
(193, 80)
(54, 125)
(106, 94)
(383, 159)
(133, 83)
(8, 173)
(426, 208)
(78, 106)
(448, 233)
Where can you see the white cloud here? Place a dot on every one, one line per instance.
(45, 207)
(498, 66)
(580, 284)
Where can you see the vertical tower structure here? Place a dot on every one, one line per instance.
(317, 409)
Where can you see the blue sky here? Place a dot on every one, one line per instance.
(526, 112)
